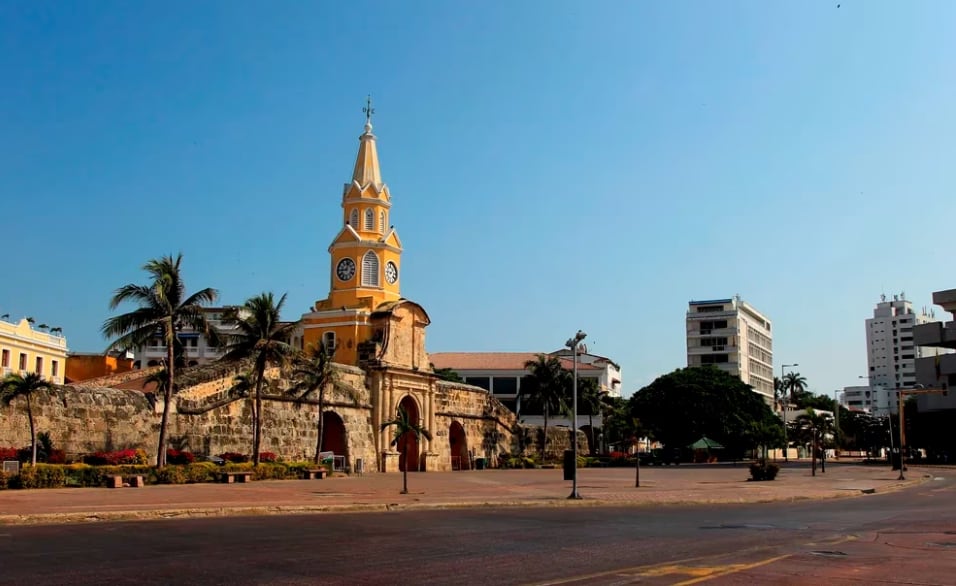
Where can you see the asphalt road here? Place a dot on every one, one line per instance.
(906, 537)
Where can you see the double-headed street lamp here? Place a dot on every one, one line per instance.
(786, 403)
(574, 343)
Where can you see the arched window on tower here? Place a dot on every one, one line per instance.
(370, 270)
(369, 220)
(381, 222)
(353, 220)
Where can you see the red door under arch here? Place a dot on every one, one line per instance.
(333, 434)
(408, 445)
(459, 447)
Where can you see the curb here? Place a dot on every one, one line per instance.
(250, 511)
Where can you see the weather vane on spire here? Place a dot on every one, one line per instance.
(368, 109)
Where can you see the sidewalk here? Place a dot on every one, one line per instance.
(711, 484)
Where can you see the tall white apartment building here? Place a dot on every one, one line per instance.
(196, 348)
(891, 352)
(733, 336)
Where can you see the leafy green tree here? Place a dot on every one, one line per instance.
(818, 402)
(547, 387)
(165, 308)
(314, 373)
(448, 374)
(590, 403)
(680, 407)
(405, 428)
(779, 393)
(26, 386)
(262, 336)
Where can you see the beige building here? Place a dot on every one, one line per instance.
(733, 336)
(24, 350)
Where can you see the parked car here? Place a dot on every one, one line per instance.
(215, 460)
(665, 457)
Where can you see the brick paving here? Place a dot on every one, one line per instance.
(376, 492)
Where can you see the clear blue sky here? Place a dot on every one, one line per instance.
(553, 165)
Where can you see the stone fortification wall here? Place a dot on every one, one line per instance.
(207, 418)
(84, 419)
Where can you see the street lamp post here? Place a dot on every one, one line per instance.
(573, 344)
(786, 403)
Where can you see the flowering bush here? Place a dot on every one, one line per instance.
(8, 453)
(116, 458)
(234, 457)
(267, 457)
(179, 457)
(56, 457)
(618, 455)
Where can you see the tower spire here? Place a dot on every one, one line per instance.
(366, 163)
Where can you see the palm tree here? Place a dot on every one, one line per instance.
(313, 373)
(43, 327)
(816, 426)
(404, 427)
(56, 330)
(5, 316)
(779, 392)
(15, 385)
(31, 321)
(547, 386)
(590, 401)
(165, 309)
(261, 336)
(242, 385)
(794, 385)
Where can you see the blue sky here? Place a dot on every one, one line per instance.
(553, 165)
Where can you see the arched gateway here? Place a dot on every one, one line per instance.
(458, 447)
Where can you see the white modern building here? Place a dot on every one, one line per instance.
(733, 336)
(891, 351)
(863, 398)
(502, 373)
(197, 349)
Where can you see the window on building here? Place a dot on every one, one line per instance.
(505, 385)
(714, 358)
(353, 219)
(23, 361)
(369, 220)
(478, 381)
(381, 222)
(6, 359)
(370, 270)
(39, 365)
(54, 368)
(328, 340)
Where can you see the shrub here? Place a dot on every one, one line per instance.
(56, 457)
(268, 457)
(8, 453)
(234, 457)
(118, 458)
(763, 470)
(40, 476)
(172, 475)
(3, 480)
(201, 472)
(179, 457)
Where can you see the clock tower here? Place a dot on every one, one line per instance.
(365, 270)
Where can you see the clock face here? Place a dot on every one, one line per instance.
(345, 269)
(391, 272)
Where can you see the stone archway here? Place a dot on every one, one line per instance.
(408, 445)
(333, 434)
(459, 447)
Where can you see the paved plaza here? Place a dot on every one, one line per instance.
(714, 484)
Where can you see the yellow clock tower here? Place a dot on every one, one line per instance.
(366, 260)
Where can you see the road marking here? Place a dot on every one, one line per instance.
(731, 569)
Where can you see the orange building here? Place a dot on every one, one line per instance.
(366, 261)
(83, 366)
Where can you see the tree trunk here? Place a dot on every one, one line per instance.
(167, 397)
(33, 430)
(405, 467)
(318, 440)
(544, 438)
(257, 420)
(590, 432)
